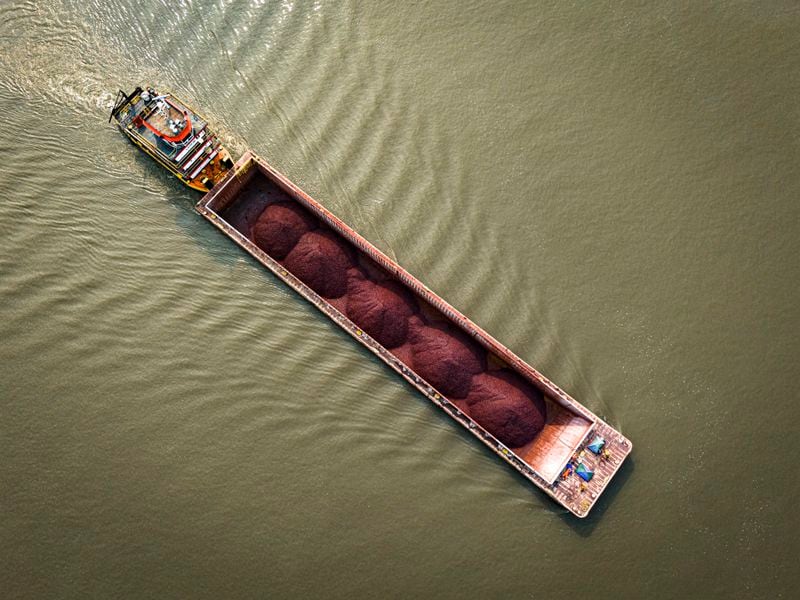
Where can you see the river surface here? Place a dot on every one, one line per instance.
(611, 189)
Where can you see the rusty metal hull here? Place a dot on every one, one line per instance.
(570, 426)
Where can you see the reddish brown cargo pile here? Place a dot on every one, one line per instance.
(445, 357)
(320, 259)
(280, 227)
(506, 405)
(380, 309)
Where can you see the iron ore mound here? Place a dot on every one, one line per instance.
(321, 260)
(502, 402)
(380, 309)
(445, 357)
(510, 408)
(280, 226)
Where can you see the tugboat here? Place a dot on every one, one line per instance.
(174, 135)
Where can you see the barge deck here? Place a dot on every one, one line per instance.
(572, 459)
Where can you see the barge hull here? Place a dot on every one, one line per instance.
(570, 426)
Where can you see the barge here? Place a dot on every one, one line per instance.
(570, 453)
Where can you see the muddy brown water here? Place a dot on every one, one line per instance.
(609, 189)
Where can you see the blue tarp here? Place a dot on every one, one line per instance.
(597, 445)
(584, 473)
